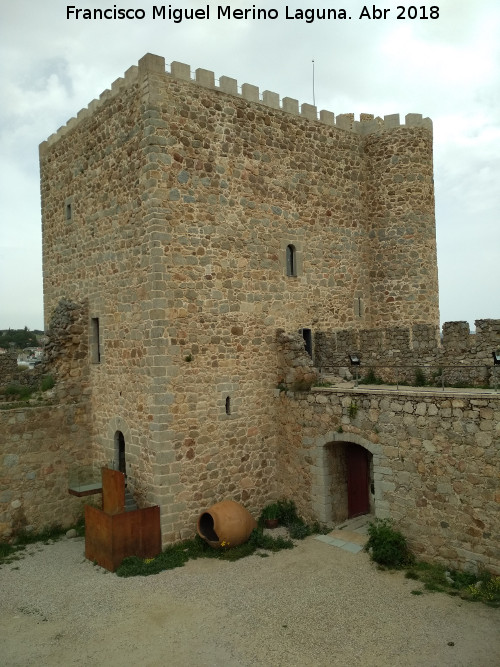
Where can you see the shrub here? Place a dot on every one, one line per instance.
(17, 390)
(271, 511)
(47, 383)
(299, 531)
(371, 378)
(286, 513)
(352, 410)
(420, 379)
(302, 385)
(387, 546)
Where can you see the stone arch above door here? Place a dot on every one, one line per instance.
(321, 480)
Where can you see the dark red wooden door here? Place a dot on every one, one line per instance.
(358, 500)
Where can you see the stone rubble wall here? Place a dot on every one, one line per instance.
(45, 446)
(418, 346)
(10, 371)
(436, 464)
(297, 367)
(41, 448)
(66, 351)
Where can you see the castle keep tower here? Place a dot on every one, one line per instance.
(196, 221)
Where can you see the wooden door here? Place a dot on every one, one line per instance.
(358, 480)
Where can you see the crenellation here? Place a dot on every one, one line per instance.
(103, 97)
(117, 84)
(327, 117)
(131, 74)
(413, 120)
(153, 64)
(180, 71)
(345, 121)
(271, 99)
(391, 121)
(290, 105)
(250, 92)
(205, 78)
(228, 85)
(466, 357)
(309, 111)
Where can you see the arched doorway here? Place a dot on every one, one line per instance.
(343, 485)
(120, 462)
(349, 474)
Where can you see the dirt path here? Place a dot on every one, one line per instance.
(313, 606)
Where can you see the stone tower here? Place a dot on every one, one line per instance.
(196, 221)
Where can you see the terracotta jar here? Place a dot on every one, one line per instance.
(226, 524)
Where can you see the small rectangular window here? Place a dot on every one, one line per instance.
(95, 346)
(291, 261)
(358, 307)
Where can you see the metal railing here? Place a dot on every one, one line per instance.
(423, 376)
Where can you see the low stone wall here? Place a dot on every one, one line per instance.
(11, 373)
(435, 464)
(8, 367)
(41, 446)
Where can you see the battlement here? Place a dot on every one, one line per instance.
(367, 123)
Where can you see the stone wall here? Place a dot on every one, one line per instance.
(41, 448)
(435, 457)
(9, 370)
(48, 443)
(464, 357)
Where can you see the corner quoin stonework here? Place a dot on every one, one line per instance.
(168, 206)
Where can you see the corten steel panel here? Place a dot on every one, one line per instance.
(99, 537)
(136, 533)
(109, 538)
(113, 491)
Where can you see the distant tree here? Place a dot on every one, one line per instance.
(18, 338)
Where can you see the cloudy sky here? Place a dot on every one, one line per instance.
(447, 68)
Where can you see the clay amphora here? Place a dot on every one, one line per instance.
(226, 524)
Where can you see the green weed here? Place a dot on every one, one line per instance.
(387, 546)
(47, 383)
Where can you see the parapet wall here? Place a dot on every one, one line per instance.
(367, 123)
(419, 345)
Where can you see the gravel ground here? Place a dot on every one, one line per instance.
(315, 605)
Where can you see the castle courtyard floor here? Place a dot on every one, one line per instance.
(317, 605)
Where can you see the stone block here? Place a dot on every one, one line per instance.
(327, 117)
(250, 93)
(205, 77)
(290, 105)
(180, 71)
(391, 121)
(228, 85)
(151, 63)
(413, 119)
(271, 99)
(309, 111)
